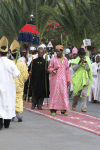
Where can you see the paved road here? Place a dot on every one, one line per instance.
(40, 133)
(92, 108)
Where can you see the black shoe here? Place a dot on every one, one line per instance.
(40, 108)
(20, 120)
(62, 113)
(1, 127)
(13, 119)
(33, 107)
(7, 123)
(53, 111)
(1, 123)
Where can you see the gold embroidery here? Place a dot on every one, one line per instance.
(61, 59)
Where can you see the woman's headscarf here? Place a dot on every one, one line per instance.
(96, 56)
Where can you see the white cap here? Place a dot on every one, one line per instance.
(32, 48)
(42, 45)
(67, 51)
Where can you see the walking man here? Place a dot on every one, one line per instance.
(8, 70)
(82, 78)
(19, 82)
(94, 85)
(38, 80)
(60, 79)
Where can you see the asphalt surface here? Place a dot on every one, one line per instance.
(40, 133)
(92, 108)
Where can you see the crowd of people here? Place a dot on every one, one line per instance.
(38, 74)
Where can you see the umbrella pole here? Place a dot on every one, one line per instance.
(28, 84)
(29, 81)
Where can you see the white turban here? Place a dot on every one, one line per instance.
(67, 51)
(42, 45)
(96, 56)
(32, 48)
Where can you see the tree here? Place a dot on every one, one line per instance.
(95, 7)
(14, 14)
(53, 33)
(73, 20)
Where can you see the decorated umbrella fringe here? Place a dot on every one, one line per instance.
(28, 34)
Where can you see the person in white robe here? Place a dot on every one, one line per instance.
(98, 82)
(95, 83)
(8, 70)
(92, 58)
(23, 53)
(31, 55)
(35, 55)
(67, 54)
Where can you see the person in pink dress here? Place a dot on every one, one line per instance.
(59, 81)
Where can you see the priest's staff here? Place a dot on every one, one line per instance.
(46, 78)
(29, 80)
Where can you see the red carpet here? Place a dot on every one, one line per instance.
(77, 119)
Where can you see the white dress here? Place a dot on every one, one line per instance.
(8, 70)
(30, 57)
(93, 88)
(98, 85)
(23, 59)
(48, 58)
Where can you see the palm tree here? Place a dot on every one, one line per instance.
(14, 14)
(95, 6)
(75, 22)
(12, 18)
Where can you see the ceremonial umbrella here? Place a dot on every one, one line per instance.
(29, 34)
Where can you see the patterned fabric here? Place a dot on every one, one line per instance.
(58, 84)
(93, 88)
(19, 82)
